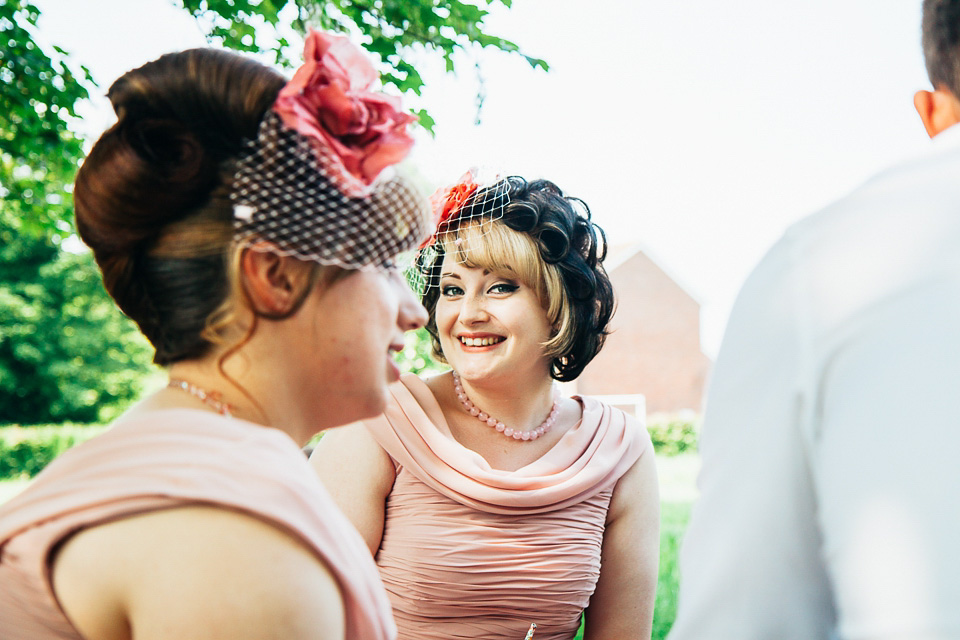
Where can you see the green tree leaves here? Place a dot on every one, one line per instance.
(395, 30)
(38, 151)
(66, 351)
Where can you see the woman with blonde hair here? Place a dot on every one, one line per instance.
(248, 225)
(489, 499)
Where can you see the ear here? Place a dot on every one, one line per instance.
(274, 283)
(938, 109)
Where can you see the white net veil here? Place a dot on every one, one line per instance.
(318, 182)
(472, 201)
(286, 193)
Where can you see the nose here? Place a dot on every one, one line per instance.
(473, 310)
(412, 315)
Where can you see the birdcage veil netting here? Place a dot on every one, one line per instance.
(478, 200)
(287, 193)
(320, 181)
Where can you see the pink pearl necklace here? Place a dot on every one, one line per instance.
(211, 398)
(516, 434)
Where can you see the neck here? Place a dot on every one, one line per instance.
(521, 406)
(250, 395)
(206, 378)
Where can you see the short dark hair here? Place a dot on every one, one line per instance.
(941, 43)
(569, 249)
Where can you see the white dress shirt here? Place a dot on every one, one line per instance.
(830, 485)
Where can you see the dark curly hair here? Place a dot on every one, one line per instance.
(567, 250)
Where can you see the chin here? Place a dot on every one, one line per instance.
(393, 371)
(360, 407)
(381, 402)
(375, 403)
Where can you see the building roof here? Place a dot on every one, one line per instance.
(620, 254)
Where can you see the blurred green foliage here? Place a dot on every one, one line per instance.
(66, 351)
(673, 435)
(417, 356)
(674, 517)
(39, 153)
(25, 451)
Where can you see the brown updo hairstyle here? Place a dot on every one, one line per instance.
(153, 196)
(548, 241)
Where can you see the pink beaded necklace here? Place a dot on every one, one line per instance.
(212, 398)
(489, 420)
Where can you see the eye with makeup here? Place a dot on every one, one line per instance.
(503, 288)
(450, 290)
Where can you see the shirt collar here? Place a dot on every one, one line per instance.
(948, 137)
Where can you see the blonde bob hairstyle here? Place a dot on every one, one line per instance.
(481, 244)
(545, 240)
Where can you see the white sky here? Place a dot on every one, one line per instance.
(699, 129)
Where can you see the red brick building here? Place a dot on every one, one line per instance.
(654, 345)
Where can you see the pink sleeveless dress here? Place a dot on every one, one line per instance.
(170, 459)
(469, 551)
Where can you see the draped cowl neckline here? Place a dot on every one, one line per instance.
(590, 457)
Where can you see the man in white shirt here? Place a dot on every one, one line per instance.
(831, 441)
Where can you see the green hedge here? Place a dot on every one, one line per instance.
(25, 451)
(673, 435)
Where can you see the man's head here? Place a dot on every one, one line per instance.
(940, 108)
(941, 43)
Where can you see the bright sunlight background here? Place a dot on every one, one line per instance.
(698, 129)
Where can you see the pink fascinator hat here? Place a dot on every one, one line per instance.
(319, 182)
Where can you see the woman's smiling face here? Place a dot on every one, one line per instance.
(491, 325)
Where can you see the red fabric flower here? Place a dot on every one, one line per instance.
(447, 201)
(353, 128)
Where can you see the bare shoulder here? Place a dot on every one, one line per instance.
(195, 572)
(637, 489)
(359, 475)
(351, 450)
(622, 604)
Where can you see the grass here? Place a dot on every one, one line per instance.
(673, 522)
(677, 475)
(677, 492)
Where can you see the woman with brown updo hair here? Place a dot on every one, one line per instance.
(248, 226)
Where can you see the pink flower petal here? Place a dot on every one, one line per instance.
(329, 101)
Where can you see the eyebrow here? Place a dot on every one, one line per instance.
(450, 274)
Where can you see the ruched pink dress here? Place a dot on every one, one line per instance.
(469, 551)
(176, 458)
